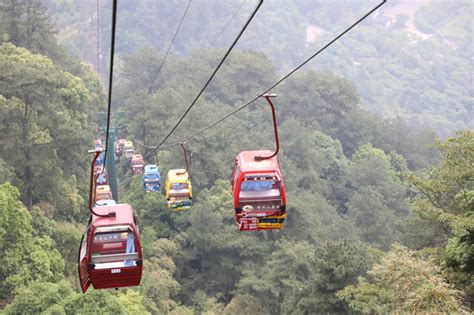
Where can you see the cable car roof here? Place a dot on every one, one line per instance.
(102, 188)
(247, 161)
(123, 215)
(151, 168)
(174, 176)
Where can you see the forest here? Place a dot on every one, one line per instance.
(376, 147)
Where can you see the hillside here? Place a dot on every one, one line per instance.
(374, 198)
(411, 82)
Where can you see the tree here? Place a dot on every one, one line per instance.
(132, 300)
(337, 264)
(447, 199)
(40, 297)
(93, 302)
(15, 230)
(282, 279)
(377, 203)
(26, 258)
(67, 236)
(25, 23)
(158, 284)
(42, 118)
(403, 283)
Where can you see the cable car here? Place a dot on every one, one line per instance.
(97, 144)
(151, 178)
(179, 192)
(101, 179)
(110, 253)
(137, 164)
(103, 192)
(178, 189)
(258, 188)
(128, 149)
(259, 192)
(118, 151)
(99, 163)
(121, 145)
(105, 202)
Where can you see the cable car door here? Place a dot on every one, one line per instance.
(83, 265)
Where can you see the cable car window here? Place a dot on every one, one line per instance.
(110, 237)
(114, 248)
(103, 196)
(83, 246)
(102, 179)
(256, 185)
(178, 186)
(236, 172)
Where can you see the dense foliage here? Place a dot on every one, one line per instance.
(372, 207)
(412, 59)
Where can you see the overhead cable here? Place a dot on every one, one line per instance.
(279, 81)
(227, 24)
(210, 78)
(173, 39)
(111, 74)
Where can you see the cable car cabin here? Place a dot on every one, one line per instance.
(137, 164)
(179, 192)
(121, 145)
(128, 150)
(105, 202)
(98, 169)
(99, 164)
(103, 192)
(110, 254)
(118, 152)
(151, 178)
(101, 179)
(259, 192)
(97, 144)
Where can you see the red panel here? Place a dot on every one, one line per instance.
(83, 268)
(116, 277)
(246, 166)
(124, 276)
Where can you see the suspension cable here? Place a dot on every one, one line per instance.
(276, 83)
(98, 46)
(172, 41)
(275, 130)
(185, 160)
(92, 185)
(111, 75)
(228, 22)
(210, 78)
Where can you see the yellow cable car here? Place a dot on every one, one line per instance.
(103, 192)
(179, 192)
(128, 150)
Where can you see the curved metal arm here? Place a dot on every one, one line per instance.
(91, 189)
(275, 128)
(185, 159)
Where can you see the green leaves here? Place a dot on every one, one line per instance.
(44, 109)
(402, 282)
(25, 258)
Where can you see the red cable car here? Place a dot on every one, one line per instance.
(258, 187)
(137, 164)
(110, 254)
(259, 192)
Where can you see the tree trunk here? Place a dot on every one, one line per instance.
(28, 175)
